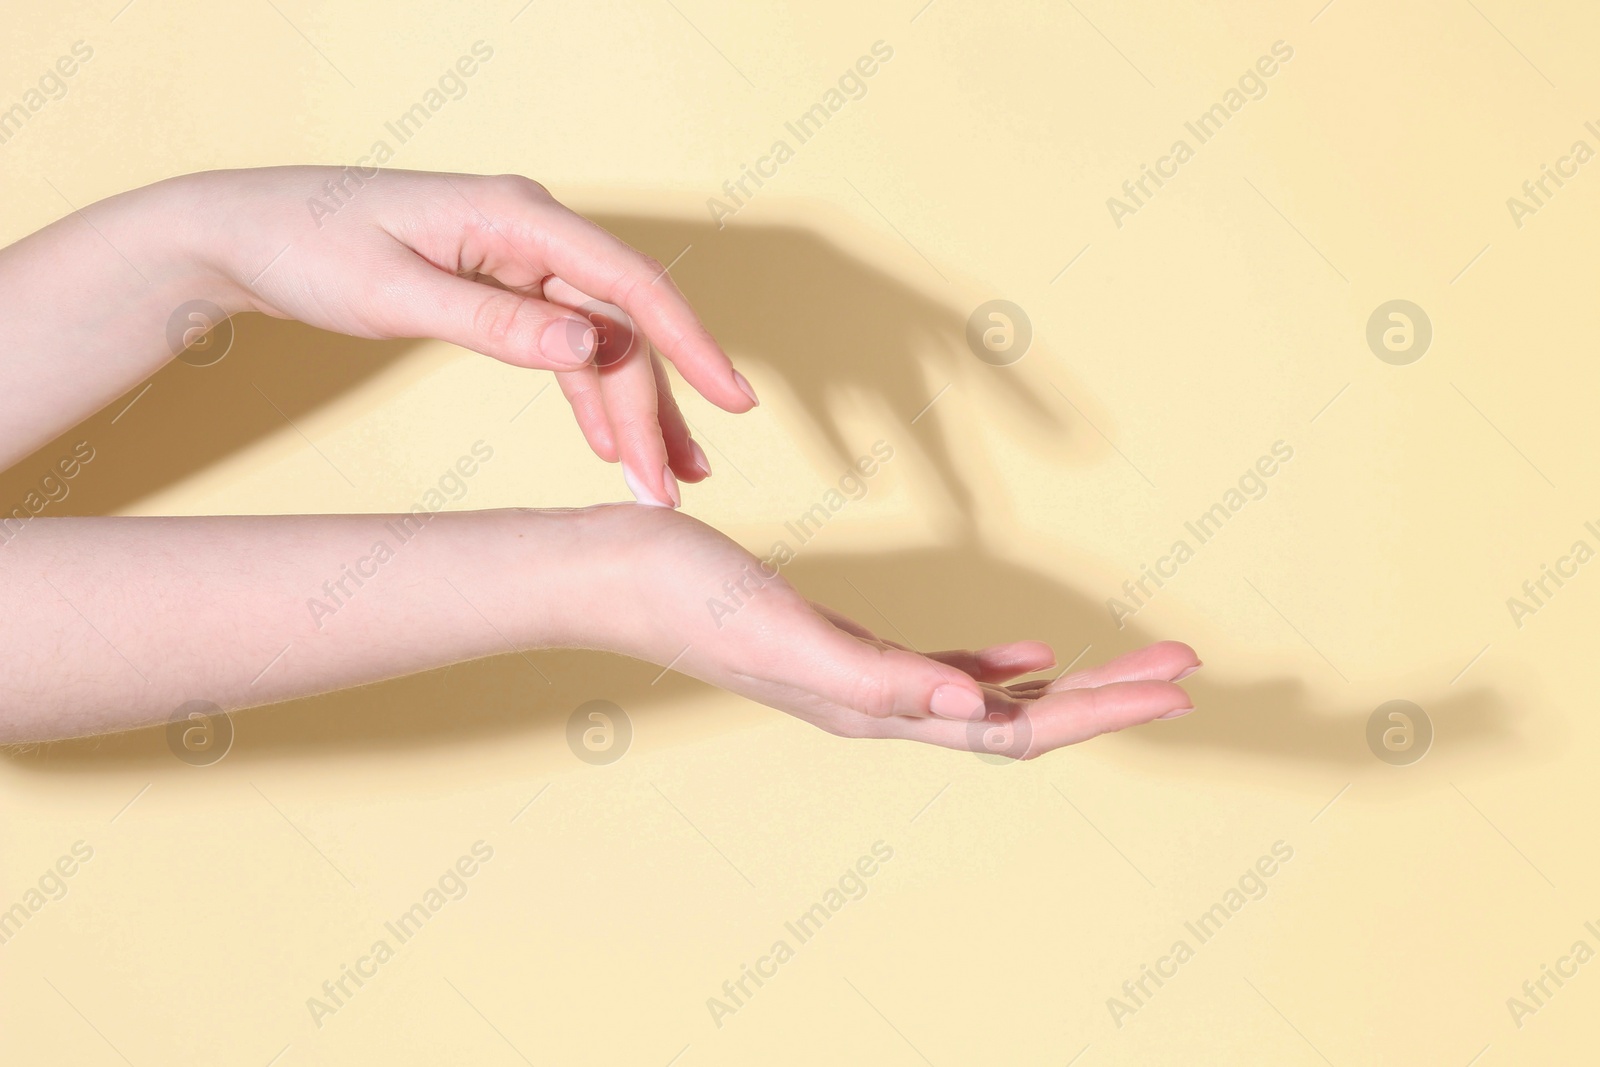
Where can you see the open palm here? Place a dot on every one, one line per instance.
(700, 603)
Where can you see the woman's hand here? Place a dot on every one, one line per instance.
(493, 264)
(696, 601)
(88, 305)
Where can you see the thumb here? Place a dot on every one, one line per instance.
(881, 682)
(520, 330)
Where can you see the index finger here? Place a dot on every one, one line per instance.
(587, 256)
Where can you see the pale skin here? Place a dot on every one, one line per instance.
(111, 623)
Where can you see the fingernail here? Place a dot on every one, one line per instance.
(700, 459)
(744, 383)
(1178, 714)
(954, 702)
(640, 493)
(671, 485)
(1188, 672)
(569, 341)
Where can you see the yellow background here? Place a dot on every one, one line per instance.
(1225, 315)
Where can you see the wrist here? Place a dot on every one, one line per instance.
(181, 228)
(545, 578)
(157, 229)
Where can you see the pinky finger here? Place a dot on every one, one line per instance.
(999, 663)
(1074, 715)
(685, 456)
(1026, 730)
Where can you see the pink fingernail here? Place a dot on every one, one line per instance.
(744, 383)
(569, 342)
(637, 487)
(1178, 714)
(1188, 672)
(954, 702)
(671, 485)
(700, 459)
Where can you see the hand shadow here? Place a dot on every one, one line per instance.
(828, 323)
(960, 593)
(187, 417)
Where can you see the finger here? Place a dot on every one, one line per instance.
(595, 261)
(1066, 718)
(883, 682)
(1026, 730)
(581, 387)
(999, 663)
(619, 341)
(629, 395)
(684, 454)
(1163, 661)
(824, 659)
(514, 328)
(629, 388)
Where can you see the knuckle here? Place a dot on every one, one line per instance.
(523, 186)
(632, 287)
(676, 338)
(872, 695)
(635, 283)
(1096, 710)
(502, 318)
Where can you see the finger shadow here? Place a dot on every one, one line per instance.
(830, 325)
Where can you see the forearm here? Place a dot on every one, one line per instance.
(112, 623)
(85, 306)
